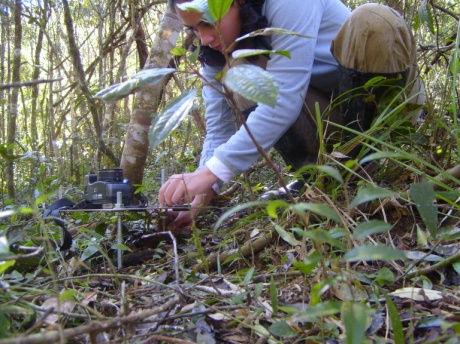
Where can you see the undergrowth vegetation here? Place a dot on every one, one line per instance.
(369, 252)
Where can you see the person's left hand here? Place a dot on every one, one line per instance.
(182, 188)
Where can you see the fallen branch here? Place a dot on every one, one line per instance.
(250, 247)
(27, 83)
(158, 338)
(92, 327)
(434, 267)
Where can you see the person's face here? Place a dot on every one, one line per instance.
(218, 37)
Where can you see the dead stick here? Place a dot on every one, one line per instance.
(92, 327)
(27, 83)
(434, 267)
(251, 246)
(155, 338)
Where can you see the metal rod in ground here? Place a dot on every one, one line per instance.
(119, 232)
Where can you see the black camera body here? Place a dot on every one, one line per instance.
(102, 188)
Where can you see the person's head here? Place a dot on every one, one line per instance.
(244, 16)
(219, 36)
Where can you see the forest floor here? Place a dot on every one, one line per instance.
(247, 273)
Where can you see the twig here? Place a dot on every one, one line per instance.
(24, 256)
(176, 255)
(155, 338)
(251, 246)
(27, 83)
(434, 267)
(92, 327)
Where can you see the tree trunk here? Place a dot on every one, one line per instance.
(80, 75)
(36, 75)
(13, 107)
(146, 102)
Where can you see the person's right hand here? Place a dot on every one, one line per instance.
(181, 221)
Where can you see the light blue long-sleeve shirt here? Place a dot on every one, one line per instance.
(228, 150)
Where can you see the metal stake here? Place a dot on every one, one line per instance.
(118, 205)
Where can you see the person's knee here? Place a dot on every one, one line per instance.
(374, 39)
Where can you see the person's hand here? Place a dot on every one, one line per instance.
(183, 188)
(193, 187)
(180, 221)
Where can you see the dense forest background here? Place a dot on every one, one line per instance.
(56, 55)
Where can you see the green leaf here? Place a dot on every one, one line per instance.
(219, 8)
(371, 252)
(171, 117)
(374, 82)
(6, 265)
(369, 228)
(384, 276)
(320, 235)
(236, 209)
(286, 236)
(381, 155)
(151, 77)
(326, 169)
(68, 295)
(178, 51)
(198, 6)
(355, 317)
(273, 206)
(398, 334)
(323, 309)
(423, 195)
(253, 83)
(309, 263)
(271, 31)
(317, 208)
(282, 329)
(274, 295)
(249, 275)
(4, 325)
(243, 53)
(370, 193)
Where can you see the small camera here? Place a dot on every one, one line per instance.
(102, 188)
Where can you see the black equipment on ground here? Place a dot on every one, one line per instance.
(102, 188)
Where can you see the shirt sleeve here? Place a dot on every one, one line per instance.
(220, 125)
(268, 124)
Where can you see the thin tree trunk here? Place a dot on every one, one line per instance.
(3, 23)
(146, 102)
(13, 108)
(36, 75)
(80, 75)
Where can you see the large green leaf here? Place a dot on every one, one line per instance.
(171, 117)
(151, 77)
(317, 208)
(381, 155)
(253, 83)
(286, 236)
(271, 31)
(219, 8)
(355, 317)
(323, 309)
(243, 53)
(369, 228)
(371, 252)
(423, 195)
(398, 333)
(320, 235)
(282, 329)
(236, 209)
(370, 193)
(199, 6)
